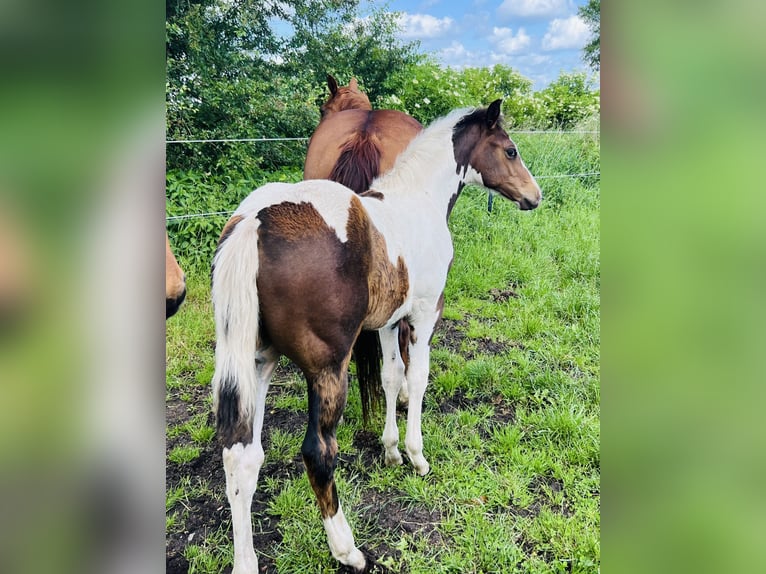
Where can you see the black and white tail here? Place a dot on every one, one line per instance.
(236, 311)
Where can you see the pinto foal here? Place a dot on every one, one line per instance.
(301, 269)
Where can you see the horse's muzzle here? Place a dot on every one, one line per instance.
(172, 304)
(526, 204)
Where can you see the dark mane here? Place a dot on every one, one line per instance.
(466, 133)
(476, 118)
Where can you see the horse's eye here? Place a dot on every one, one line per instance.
(511, 152)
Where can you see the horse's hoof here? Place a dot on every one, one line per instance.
(358, 562)
(421, 466)
(393, 459)
(371, 566)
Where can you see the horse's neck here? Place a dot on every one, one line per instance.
(425, 173)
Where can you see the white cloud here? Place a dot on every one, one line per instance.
(424, 25)
(568, 34)
(534, 9)
(504, 40)
(456, 55)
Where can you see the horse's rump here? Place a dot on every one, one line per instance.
(341, 148)
(358, 163)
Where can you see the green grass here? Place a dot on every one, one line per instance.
(511, 416)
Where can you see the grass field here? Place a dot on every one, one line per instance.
(510, 422)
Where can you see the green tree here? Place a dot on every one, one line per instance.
(591, 13)
(348, 45)
(243, 69)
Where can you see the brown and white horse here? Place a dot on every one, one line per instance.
(175, 282)
(302, 268)
(353, 143)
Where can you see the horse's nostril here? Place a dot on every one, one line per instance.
(526, 203)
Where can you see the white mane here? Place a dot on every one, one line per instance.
(431, 147)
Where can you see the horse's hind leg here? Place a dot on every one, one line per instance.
(242, 460)
(327, 398)
(392, 376)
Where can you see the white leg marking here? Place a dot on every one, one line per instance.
(392, 376)
(341, 541)
(242, 463)
(418, 379)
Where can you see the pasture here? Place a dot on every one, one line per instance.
(510, 417)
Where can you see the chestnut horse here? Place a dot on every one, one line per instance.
(344, 97)
(354, 143)
(175, 282)
(302, 268)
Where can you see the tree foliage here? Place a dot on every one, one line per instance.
(251, 69)
(591, 13)
(244, 69)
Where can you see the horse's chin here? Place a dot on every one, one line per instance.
(523, 203)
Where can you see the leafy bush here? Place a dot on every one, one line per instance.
(204, 203)
(427, 91)
(566, 101)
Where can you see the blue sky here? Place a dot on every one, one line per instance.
(538, 38)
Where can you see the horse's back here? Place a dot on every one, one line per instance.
(395, 130)
(390, 131)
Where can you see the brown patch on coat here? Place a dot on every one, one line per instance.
(312, 287)
(373, 194)
(228, 228)
(439, 311)
(406, 338)
(327, 399)
(332, 390)
(387, 284)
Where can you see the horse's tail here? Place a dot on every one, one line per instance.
(235, 306)
(358, 163)
(368, 357)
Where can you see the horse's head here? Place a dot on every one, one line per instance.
(175, 282)
(344, 97)
(481, 143)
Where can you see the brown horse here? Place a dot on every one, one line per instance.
(353, 143)
(344, 97)
(301, 269)
(175, 282)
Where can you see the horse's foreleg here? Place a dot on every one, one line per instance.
(242, 461)
(392, 376)
(417, 378)
(327, 398)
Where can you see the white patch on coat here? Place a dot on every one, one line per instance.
(331, 200)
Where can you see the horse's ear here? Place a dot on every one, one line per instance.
(493, 113)
(332, 84)
(353, 85)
